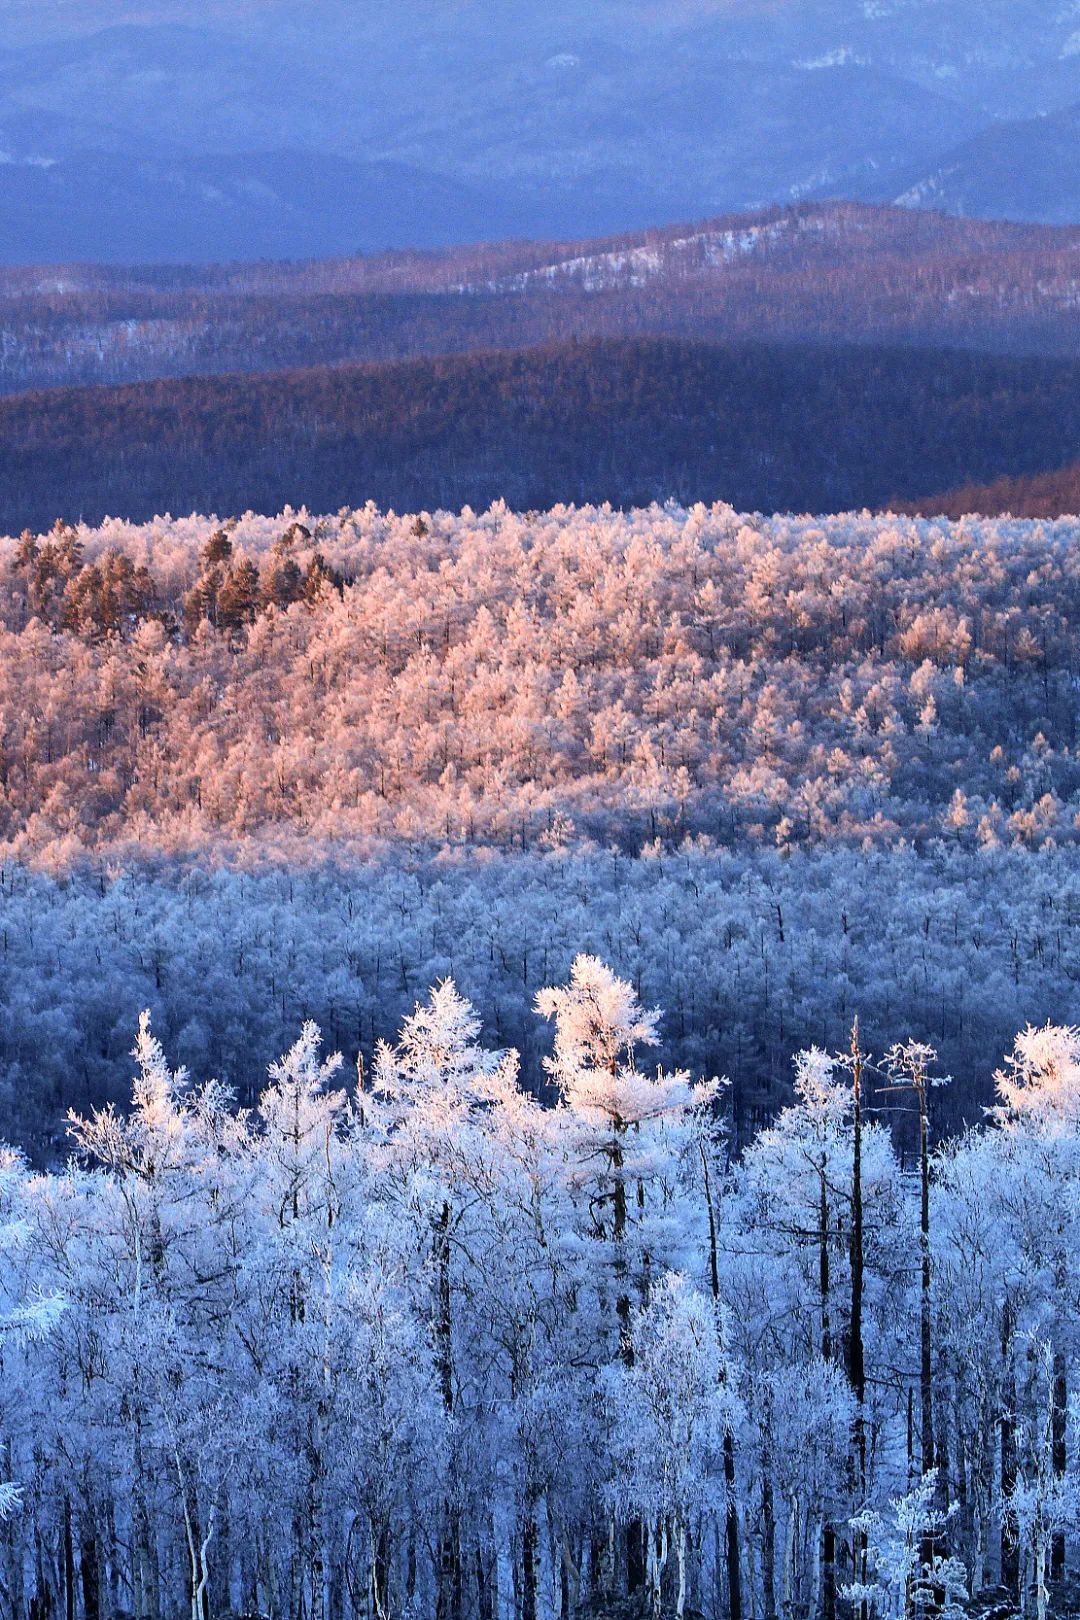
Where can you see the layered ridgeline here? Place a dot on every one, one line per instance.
(822, 273)
(171, 134)
(778, 770)
(810, 358)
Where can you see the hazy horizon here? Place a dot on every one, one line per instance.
(298, 128)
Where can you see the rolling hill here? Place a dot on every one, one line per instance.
(768, 427)
(827, 273)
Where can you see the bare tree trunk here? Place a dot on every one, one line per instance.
(90, 1573)
(529, 1569)
(828, 1532)
(451, 1596)
(145, 1574)
(444, 1324)
(1010, 1549)
(768, 1543)
(731, 1530)
(485, 1590)
(926, 1366)
(658, 1557)
(731, 1510)
(828, 1571)
(380, 1571)
(1041, 1594)
(69, 1563)
(633, 1537)
(1059, 1453)
(856, 1353)
(450, 1576)
(568, 1581)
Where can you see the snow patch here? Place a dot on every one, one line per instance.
(9, 160)
(843, 56)
(638, 266)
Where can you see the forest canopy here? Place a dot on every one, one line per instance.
(514, 679)
(674, 1206)
(775, 770)
(763, 425)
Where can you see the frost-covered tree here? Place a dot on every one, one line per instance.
(355, 1356)
(630, 1134)
(669, 1408)
(905, 1584)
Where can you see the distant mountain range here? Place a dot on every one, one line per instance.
(1028, 169)
(112, 207)
(331, 127)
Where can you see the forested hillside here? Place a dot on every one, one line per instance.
(1042, 495)
(824, 273)
(515, 1326)
(441, 744)
(817, 357)
(467, 679)
(765, 427)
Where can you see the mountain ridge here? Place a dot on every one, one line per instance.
(571, 121)
(768, 427)
(1025, 169)
(824, 273)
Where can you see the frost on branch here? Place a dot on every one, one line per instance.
(429, 1343)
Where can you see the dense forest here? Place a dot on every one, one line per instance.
(407, 1342)
(753, 953)
(765, 427)
(733, 1279)
(824, 273)
(775, 770)
(1041, 495)
(664, 674)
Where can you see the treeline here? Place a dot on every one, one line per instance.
(765, 427)
(108, 597)
(837, 231)
(409, 1342)
(832, 273)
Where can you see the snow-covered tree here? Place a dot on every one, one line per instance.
(904, 1583)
